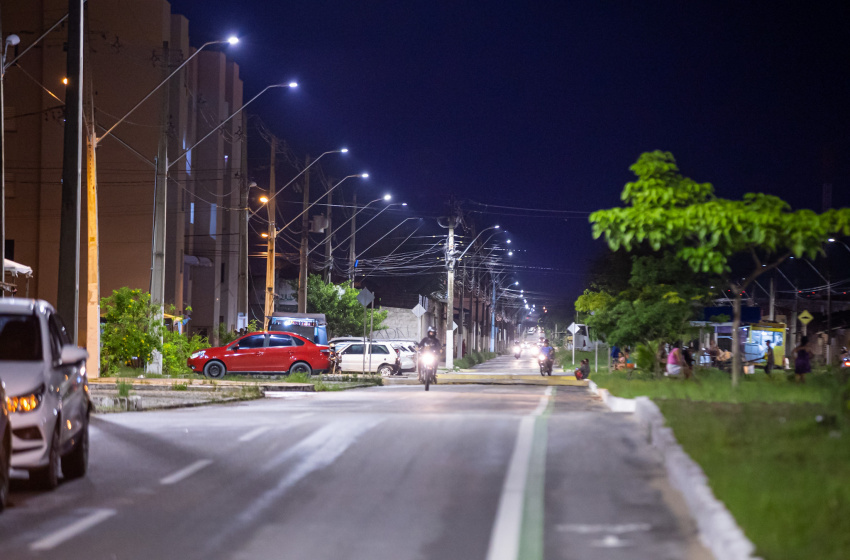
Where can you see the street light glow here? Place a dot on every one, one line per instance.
(495, 227)
(264, 235)
(509, 240)
(344, 150)
(264, 199)
(295, 84)
(388, 197)
(233, 39)
(510, 253)
(65, 81)
(831, 240)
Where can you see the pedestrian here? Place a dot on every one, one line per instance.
(768, 360)
(803, 361)
(583, 370)
(674, 361)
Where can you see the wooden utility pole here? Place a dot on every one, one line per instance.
(303, 269)
(270, 251)
(68, 295)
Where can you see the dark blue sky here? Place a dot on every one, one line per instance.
(546, 104)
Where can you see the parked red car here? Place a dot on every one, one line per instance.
(262, 352)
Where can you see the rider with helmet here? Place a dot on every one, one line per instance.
(431, 342)
(549, 352)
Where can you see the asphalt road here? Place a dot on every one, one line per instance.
(459, 472)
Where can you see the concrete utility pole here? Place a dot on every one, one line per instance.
(328, 248)
(245, 186)
(450, 298)
(303, 268)
(351, 245)
(159, 212)
(460, 331)
(493, 316)
(3, 163)
(92, 263)
(68, 289)
(270, 255)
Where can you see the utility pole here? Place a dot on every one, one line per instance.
(351, 245)
(328, 249)
(245, 186)
(493, 315)
(270, 254)
(460, 331)
(305, 238)
(68, 289)
(772, 299)
(159, 213)
(3, 163)
(92, 263)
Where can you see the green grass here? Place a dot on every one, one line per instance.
(715, 386)
(180, 387)
(124, 388)
(783, 475)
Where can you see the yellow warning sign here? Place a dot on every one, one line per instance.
(805, 317)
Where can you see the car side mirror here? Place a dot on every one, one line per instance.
(72, 354)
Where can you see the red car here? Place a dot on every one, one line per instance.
(262, 352)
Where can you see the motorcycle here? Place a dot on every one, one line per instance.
(427, 368)
(517, 351)
(545, 364)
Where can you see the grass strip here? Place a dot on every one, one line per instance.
(782, 474)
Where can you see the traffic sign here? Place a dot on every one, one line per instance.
(365, 297)
(573, 328)
(805, 317)
(418, 310)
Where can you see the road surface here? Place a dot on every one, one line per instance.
(460, 472)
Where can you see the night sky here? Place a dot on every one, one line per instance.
(546, 104)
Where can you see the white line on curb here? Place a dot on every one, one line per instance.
(54, 539)
(186, 472)
(504, 538)
(254, 433)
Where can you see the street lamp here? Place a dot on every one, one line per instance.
(158, 257)
(11, 40)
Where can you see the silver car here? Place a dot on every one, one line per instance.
(47, 392)
(5, 448)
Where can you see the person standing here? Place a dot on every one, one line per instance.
(768, 360)
(803, 361)
(687, 361)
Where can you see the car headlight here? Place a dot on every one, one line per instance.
(199, 354)
(26, 403)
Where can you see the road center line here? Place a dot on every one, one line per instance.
(186, 472)
(254, 433)
(58, 537)
(505, 536)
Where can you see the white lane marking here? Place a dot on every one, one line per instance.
(619, 528)
(255, 433)
(504, 538)
(185, 472)
(610, 541)
(81, 525)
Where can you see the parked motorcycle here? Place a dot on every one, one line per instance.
(545, 364)
(427, 368)
(517, 351)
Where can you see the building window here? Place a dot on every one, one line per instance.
(213, 208)
(191, 212)
(222, 273)
(10, 249)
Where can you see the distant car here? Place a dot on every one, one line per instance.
(262, 352)
(5, 448)
(47, 392)
(383, 358)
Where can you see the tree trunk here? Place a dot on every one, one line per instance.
(736, 343)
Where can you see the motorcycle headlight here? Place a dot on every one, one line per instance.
(428, 359)
(26, 403)
(199, 354)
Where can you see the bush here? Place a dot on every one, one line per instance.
(129, 335)
(176, 349)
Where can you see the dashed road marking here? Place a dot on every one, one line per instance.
(185, 472)
(256, 432)
(81, 525)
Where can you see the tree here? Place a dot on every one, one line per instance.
(664, 209)
(129, 330)
(662, 297)
(341, 308)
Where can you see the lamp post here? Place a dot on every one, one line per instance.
(93, 277)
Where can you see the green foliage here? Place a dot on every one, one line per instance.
(130, 330)
(123, 388)
(663, 296)
(177, 348)
(341, 308)
(664, 209)
(226, 336)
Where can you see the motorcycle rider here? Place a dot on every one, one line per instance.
(549, 352)
(431, 344)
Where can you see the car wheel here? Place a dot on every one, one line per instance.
(5, 462)
(300, 367)
(47, 478)
(385, 369)
(76, 463)
(215, 369)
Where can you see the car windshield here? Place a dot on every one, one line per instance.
(20, 338)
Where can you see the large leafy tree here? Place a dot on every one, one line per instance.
(664, 209)
(129, 329)
(339, 303)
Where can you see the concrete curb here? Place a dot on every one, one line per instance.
(718, 530)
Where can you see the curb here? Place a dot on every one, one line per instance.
(717, 528)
